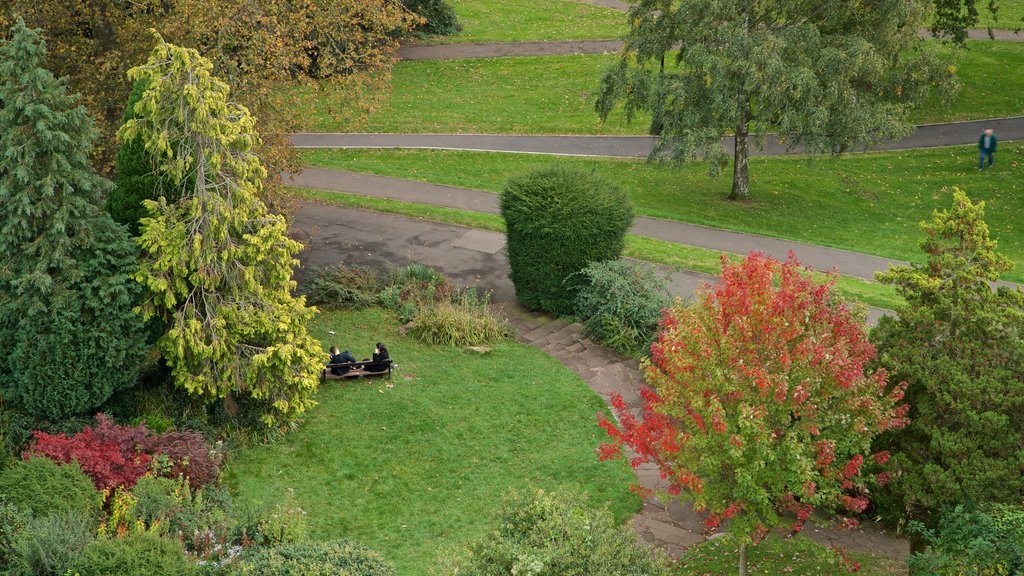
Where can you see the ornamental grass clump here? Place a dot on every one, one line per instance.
(559, 220)
(343, 287)
(465, 321)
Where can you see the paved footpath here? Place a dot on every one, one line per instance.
(473, 257)
(575, 47)
(818, 257)
(924, 136)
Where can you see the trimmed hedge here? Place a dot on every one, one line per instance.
(621, 302)
(558, 221)
(315, 559)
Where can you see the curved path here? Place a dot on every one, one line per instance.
(474, 257)
(925, 136)
(571, 47)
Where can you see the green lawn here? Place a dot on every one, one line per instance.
(555, 95)
(531, 20)
(1011, 13)
(992, 84)
(869, 203)
(798, 556)
(422, 466)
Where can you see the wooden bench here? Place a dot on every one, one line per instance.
(358, 370)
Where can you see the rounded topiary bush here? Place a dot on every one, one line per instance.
(315, 559)
(558, 221)
(43, 487)
(620, 303)
(439, 15)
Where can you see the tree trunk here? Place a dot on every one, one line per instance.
(740, 175)
(743, 560)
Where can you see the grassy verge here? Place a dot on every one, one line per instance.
(677, 256)
(798, 556)
(992, 86)
(532, 20)
(868, 203)
(1011, 15)
(420, 467)
(555, 95)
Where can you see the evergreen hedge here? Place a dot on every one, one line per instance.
(558, 221)
(315, 559)
(440, 17)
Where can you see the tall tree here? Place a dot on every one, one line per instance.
(759, 403)
(959, 345)
(826, 76)
(257, 46)
(217, 265)
(953, 18)
(67, 330)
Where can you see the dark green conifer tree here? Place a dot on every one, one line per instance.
(68, 333)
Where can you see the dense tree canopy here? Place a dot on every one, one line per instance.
(759, 403)
(216, 263)
(67, 330)
(823, 75)
(255, 45)
(960, 347)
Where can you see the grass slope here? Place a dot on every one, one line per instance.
(869, 203)
(533, 20)
(419, 467)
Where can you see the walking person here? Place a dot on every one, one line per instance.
(986, 147)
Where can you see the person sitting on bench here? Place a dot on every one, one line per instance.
(380, 353)
(340, 358)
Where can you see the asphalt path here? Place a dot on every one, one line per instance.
(924, 136)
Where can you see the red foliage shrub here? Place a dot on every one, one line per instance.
(114, 455)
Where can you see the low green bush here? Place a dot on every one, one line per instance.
(50, 545)
(558, 534)
(558, 221)
(135, 554)
(342, 287)
(972, 541)
(439, 15)
(43, 487)
(620, 303)
(13, 521)
(413, 288)
(332, 558)
(467, 321)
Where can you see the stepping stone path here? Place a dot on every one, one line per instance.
(674, 527)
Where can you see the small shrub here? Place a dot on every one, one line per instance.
(413, 288)
(282, 523)
(315, 559)
(972, 542)
(50, 545)
(555, 534)
(466, 322)
(13, 520)
(439, 17)
(559, 220)
(114, 455)
(342, 287)
(43, 487)
(620, 303)
(201, 519)
(136, 554)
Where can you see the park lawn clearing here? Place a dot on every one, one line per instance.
(678, 256)
(992, 85)
(1011, 15)
(870, 203)
(556, 95)
(422, 466)
(798, 556)
(533, 20)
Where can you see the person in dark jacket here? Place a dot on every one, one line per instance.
(987, 148)
(340, 358)
(380, 353)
